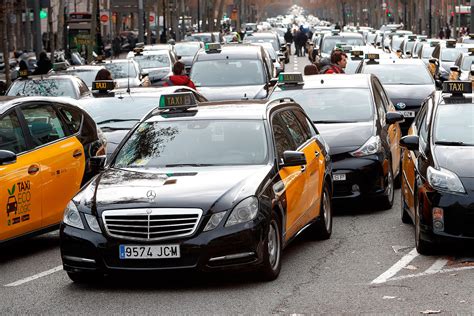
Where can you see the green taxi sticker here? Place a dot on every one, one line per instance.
(184, 99)
(290, 77)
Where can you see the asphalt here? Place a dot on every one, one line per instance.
(346, 274)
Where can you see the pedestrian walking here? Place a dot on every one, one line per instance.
(288, 39)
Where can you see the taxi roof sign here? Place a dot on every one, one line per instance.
(212, 47)
(434, 43)
(372, 56)
(457, 87)
(178, 100)
(290, 77)
(357, 53)
(471, 35)
(23, 73)
(471, 50)
(451, 43)
(412, 38)
(103, 85)
(138, 51)
(60, 66)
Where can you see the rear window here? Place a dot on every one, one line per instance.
(43, 87)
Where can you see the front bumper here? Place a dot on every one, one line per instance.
(365, 177)
(458, 215)
(85, 250)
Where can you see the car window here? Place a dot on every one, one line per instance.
(423, 131)
(43, 123)
(379, 105)
(282, 139)
(72, 117)
(304, 124)
(83, 89)
(11, 135)
(293, 126)
(385, 100)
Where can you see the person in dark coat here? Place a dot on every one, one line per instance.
(44, 64)
(117, 46)
(289, 39)
(300, 42)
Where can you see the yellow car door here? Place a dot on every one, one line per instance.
(62, 159)
(292, 179)
(20, 182)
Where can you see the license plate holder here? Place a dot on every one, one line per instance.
(407, 114)
(339, 177)
(149, 251)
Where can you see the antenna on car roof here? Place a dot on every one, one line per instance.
(128, 77)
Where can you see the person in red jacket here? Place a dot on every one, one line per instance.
(179, 78)
(338, 63)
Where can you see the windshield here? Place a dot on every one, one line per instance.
(214, 73)
(198, 142)
(339, 105)
(330, 43)
(396, 41)
(261, 39)
(400, 74)
(427, 51)
(455, 123)
(449, 54)
(121, 70)
(43, 87)
(409, 46)
(371, 38)
(153, 61)
(88, 76)
(186, 49)
(467, 63)
(119, 112)
(205, 38)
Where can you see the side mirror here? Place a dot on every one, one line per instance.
(97, 163)
(394, 117)
(179, 57)
(144, 74)
(410, 142)
(293, 158)
(439, 84)
(7, 157)
(273, 82)
(281, 58)
(283, 47)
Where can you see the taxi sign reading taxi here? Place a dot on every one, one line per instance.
(372, 56)
(178, 100)
(103, 85)
(213, 47)
(457, 87)
(23, 73)
(290, 77)
(471, 50)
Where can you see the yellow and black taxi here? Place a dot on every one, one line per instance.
(446, 54)
(49, 86)
(407, 82)
(209, 187)
(116, 111)
(232, 72)
(47, 150)
(437, 166)
(355, 116)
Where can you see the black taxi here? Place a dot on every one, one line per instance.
(360, 125)
(437, 166)
(208, 187)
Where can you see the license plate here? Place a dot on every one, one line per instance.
(408, 113)
(339, 177)
(149, 252)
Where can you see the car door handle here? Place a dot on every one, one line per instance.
(316, 153)
(77, 154)
(303, 168)
(33, 169)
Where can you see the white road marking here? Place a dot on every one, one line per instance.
(36, 276)
(427, 272)
(437, 266)
(403, 262)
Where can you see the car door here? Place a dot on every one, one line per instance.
(392, 131)
(61, 159)
(292, 179)
(20, 182)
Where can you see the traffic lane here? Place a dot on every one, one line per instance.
(28, 257)
(296, 63)
(327, 276)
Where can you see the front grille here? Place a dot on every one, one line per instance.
(151, 224)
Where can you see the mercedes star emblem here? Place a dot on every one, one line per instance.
(151, 195)
(401, 105)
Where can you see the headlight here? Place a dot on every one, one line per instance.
(72, 216)
(214, 221)
(93, 223)
(243, 212)
(444, 180)
(372, 146)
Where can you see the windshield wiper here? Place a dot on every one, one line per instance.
(117, 120)
(452, 143)
(108, 128)
(188, 165)
(332, 121)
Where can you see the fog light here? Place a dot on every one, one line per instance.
(355, 188)
(438, 219)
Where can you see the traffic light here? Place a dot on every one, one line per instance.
(388, 13)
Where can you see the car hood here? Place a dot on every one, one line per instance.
(157, 74)
(233, 93)
(409, 94)
(114, 137)
(219, 188)
(125, 82)
(345, 137)
(456, 159)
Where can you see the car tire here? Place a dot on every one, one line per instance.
(422, 246)
(406, 219)
(386, 201)
(322, 228)
(271, 265)
(85, 277)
